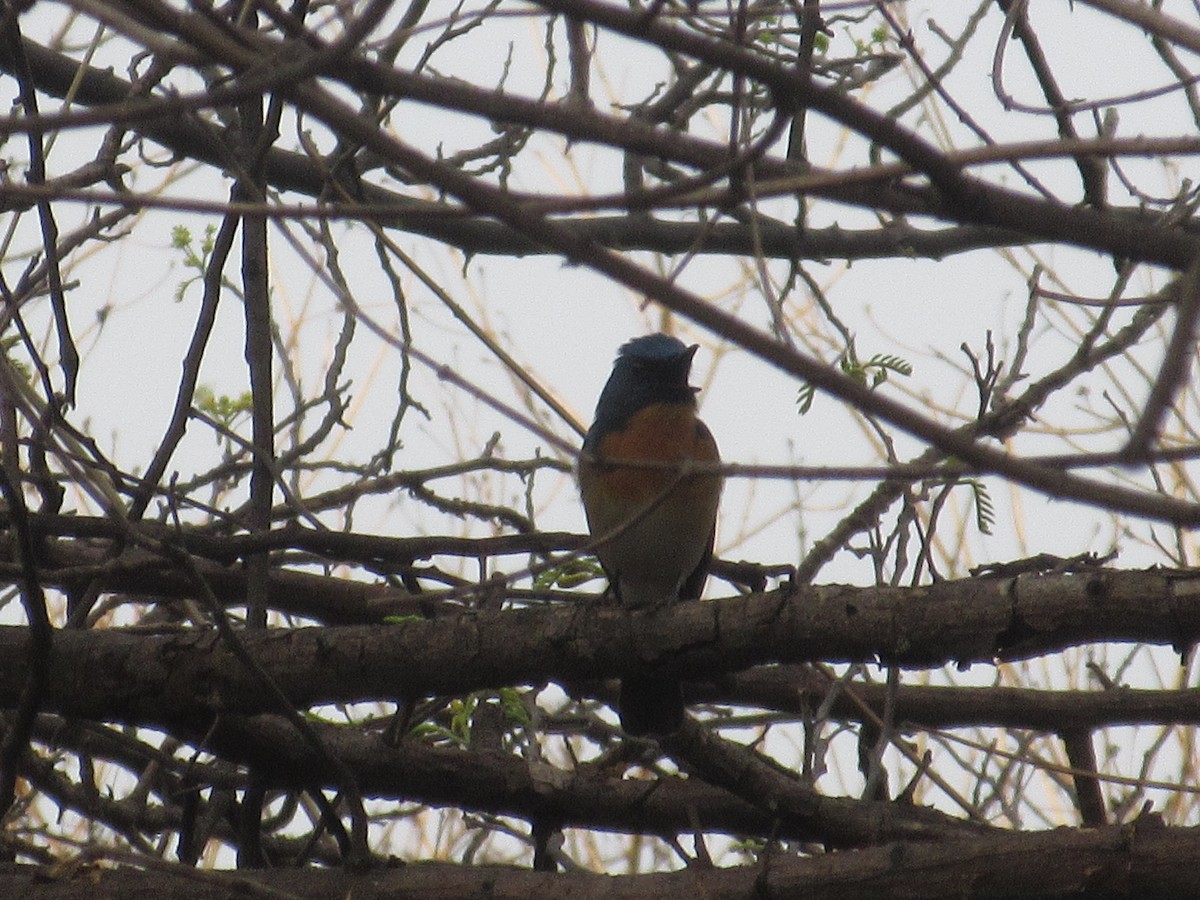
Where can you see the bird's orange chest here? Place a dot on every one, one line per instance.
(661, 432)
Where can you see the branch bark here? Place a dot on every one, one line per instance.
(136, 677)
(1142, 860)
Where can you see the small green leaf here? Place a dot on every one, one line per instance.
(461, 712)
(890, 363)
(985, 512)
(874, 371)
(9, 344)
(194, 258)
(751, 846)
(434, 733)
(514, 708)
(570, 574)
(223, 408)
(805, 397)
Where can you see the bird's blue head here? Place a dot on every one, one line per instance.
(653, 347)
(650, 369)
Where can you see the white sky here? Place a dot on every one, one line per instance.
(565, 322)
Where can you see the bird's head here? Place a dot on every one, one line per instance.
(650, 369)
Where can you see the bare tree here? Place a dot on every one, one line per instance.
(285, 478)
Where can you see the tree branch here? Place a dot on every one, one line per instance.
(145, 678)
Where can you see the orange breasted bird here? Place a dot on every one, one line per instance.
(656, 524)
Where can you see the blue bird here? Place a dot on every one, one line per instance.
(656, 528)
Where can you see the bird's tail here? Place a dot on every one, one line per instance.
(651, 705)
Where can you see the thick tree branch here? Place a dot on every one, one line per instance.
(146, 678)
(1142, 860)
(587, 797)
(799, 689)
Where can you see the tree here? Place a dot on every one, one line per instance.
(298, 307)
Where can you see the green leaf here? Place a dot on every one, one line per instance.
(222, 407)
(985, 512)
(461, 712)
(752, 846)
(10, 343)
(805, 397)
(400, 620)
(572, 573)
(194, 258)
(434, 733)
(872, 373)
(890, 363)
(511, 702)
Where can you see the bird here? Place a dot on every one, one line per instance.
(654, 526)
